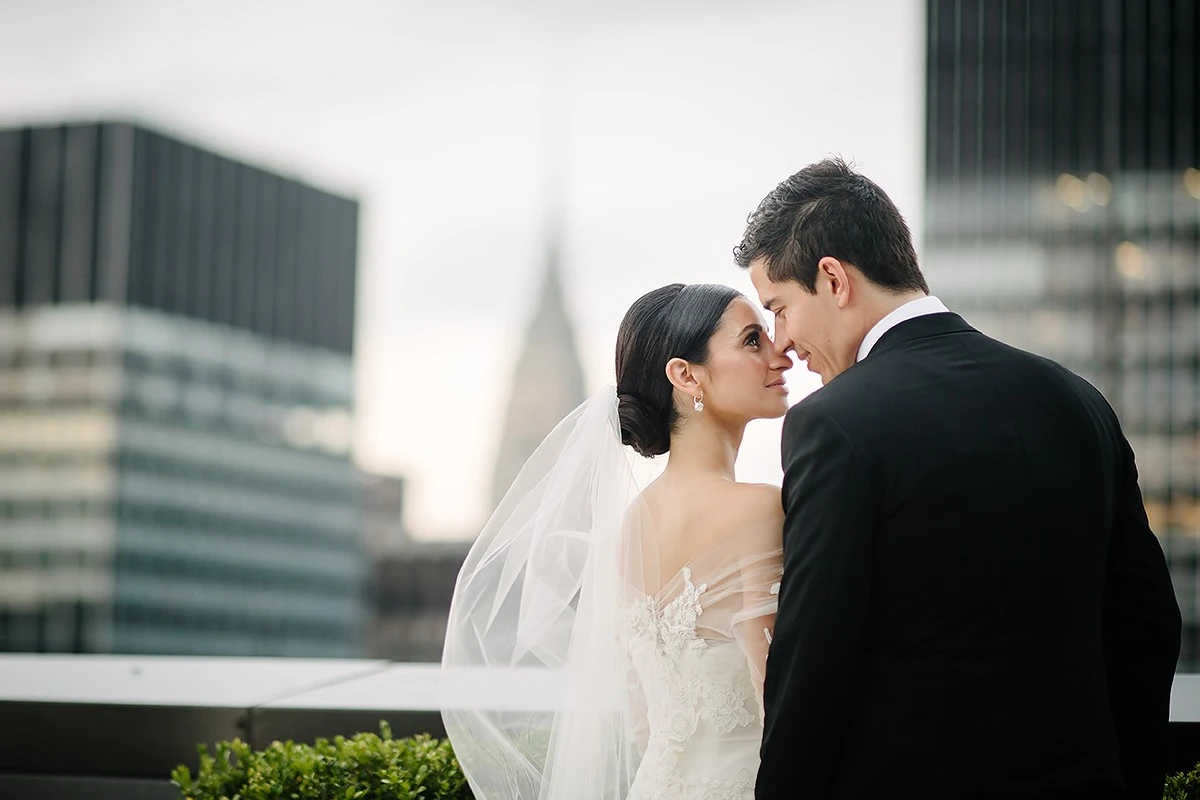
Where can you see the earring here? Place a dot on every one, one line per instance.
(698, 403)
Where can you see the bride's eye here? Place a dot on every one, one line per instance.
(752, 340)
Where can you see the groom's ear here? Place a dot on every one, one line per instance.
(682, 376)
(833, 273)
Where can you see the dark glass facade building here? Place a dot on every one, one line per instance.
(412, 581)
(1063, 216)
(119, 214)
(410, 593)
(176, 401)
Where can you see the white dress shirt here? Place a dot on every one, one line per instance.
(910, 310)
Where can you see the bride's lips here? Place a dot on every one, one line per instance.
(780, 384)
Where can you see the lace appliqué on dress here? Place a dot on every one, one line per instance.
(767, 631)
(684, 696)
(742, 785)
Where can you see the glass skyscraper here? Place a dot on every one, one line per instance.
(176, 392)
(1063, 216)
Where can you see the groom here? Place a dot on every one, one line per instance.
(973, 603)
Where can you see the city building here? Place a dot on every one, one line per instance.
(1063, 216)
(548, 381)
(176, 399)
(410, 593)
(411, 581)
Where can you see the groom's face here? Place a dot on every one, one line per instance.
(804, 323)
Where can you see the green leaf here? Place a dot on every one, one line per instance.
(368, 766)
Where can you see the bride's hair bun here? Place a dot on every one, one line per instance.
(647, 430)
(675, 321)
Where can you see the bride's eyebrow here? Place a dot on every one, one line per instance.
(753, 326)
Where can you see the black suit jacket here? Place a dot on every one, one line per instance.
(973, 603)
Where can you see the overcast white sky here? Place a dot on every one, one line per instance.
(678, 117)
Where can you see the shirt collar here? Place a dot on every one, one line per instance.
(920, 307)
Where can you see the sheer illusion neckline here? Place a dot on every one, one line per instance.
(714, 565)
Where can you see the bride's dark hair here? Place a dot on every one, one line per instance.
(675, 321)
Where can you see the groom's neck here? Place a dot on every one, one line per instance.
(877, 304)
(881, 303)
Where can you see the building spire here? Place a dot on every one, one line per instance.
(548, 380)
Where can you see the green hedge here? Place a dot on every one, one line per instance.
(1183, 785)
(369, 767)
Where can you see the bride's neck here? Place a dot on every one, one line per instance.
(704, 446)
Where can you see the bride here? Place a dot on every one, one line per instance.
(642, 614)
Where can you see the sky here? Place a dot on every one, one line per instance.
(651, 129)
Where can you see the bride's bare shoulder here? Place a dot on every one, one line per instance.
(753, 501)
(718, 499)
(703, 523)
(710, 510)
(750, 514)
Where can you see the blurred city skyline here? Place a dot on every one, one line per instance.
(435, 117)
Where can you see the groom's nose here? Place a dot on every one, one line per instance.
(783, 344)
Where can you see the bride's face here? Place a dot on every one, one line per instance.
(743, 378)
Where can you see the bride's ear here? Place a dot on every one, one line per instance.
(682, 376)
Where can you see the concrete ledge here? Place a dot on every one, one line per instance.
(115, 726)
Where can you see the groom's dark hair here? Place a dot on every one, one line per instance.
(828, 209)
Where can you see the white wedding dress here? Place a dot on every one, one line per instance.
(698, 649)
(651, 647)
